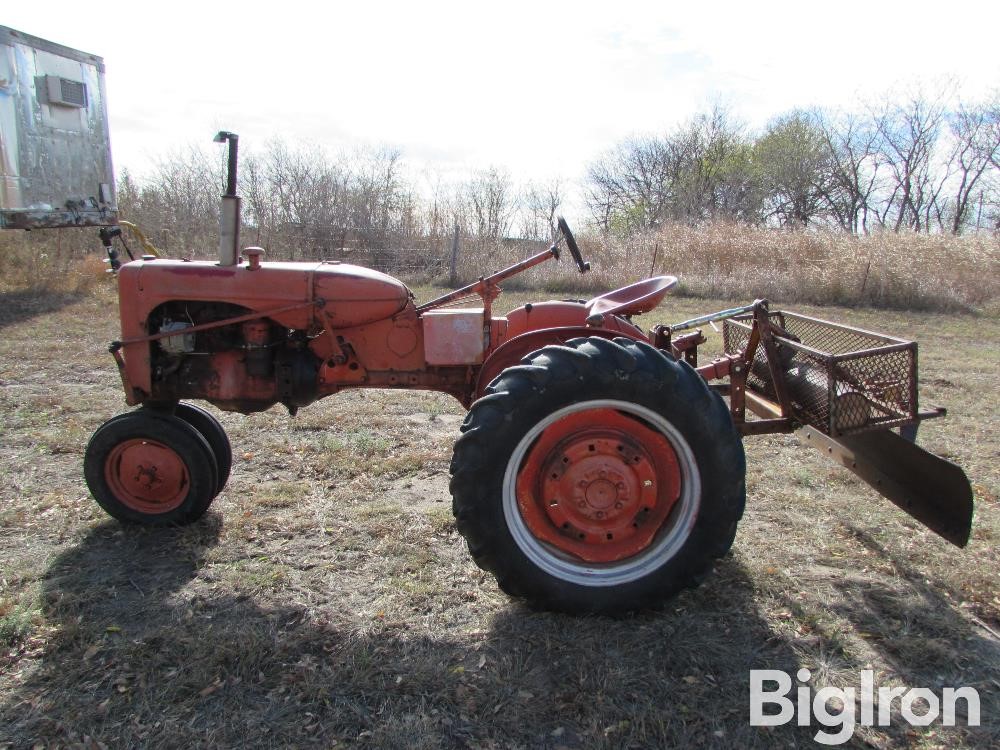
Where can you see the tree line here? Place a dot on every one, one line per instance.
(303, 202)
(927, 162)
(923, 163)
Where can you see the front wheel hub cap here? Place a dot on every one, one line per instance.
(147, 476)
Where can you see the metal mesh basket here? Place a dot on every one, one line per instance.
(841, 380)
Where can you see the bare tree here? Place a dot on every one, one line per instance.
(975, 131)
(490, 199)
(180, 202)
(909, 139)
(700, 171)
(714, 165)
(376, 193)
(258, 208)
(128, 194)
(630, 186)
(852, 146)
(437, 219)
(540, 203)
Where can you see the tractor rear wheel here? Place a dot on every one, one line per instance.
(598, 476)
(151, 468)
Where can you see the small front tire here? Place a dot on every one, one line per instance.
(151, 468)
(211, 429)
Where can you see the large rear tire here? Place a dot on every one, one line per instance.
(151, 468)
(598, 477)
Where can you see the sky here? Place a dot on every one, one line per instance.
(540, 89)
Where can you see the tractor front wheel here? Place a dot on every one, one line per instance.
(598, 477)
(213, 432)
(151, 468)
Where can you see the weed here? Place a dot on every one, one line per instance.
(280, 494)
(16, 623)
(441, 518)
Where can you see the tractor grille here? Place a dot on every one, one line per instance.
(840, 380)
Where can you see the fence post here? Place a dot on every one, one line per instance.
(453, 278)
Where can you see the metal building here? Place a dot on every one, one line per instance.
(55, 152)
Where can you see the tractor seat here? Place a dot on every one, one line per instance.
(633, 299)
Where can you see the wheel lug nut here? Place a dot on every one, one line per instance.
(602, 474)
(619, 506)
(582, 504)
(600, 514)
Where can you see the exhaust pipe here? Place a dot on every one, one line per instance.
(229, 207)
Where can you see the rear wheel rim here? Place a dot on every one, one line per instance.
(147, 476)
(601, 492)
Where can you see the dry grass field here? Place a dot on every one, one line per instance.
(902, 271)
(327, 600)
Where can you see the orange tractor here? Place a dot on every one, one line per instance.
(599, 468)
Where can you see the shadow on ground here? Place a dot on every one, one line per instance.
(152, 652)
(24, 304)
(919, 631)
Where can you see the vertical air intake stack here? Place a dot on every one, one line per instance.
(229, 207)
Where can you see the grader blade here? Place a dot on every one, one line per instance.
(931, 489)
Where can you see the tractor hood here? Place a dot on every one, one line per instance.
(352, 295)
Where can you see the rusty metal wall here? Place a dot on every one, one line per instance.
(55, 151)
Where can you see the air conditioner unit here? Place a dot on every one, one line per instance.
(67, 92)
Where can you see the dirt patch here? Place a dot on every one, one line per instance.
(422, 490)
(437, 425)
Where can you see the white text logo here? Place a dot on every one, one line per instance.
(836, 707)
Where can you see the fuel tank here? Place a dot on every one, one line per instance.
(356, 295)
